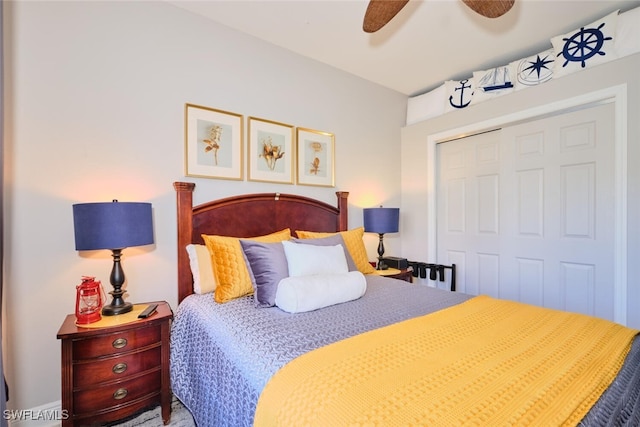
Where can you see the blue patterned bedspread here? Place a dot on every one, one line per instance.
(222, 355)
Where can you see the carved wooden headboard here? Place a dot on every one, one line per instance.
(248, 215)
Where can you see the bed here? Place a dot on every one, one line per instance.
(399, 354)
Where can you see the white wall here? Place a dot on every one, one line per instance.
(95, 93)
(416, 155)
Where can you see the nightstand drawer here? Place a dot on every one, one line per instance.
(115, 394)
(116, 343)
(118, 367)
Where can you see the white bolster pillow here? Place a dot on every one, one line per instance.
(306, 293)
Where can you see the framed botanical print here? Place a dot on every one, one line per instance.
(270, 151)
(213, 143)
(316, 157)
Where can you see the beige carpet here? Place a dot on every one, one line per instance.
(180, 417)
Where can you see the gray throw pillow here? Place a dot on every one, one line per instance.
(333, 240)
(267, 265)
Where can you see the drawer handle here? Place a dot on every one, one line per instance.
(119, 368)
(120, 393)
(119, 343)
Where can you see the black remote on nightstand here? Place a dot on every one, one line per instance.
(148, 311)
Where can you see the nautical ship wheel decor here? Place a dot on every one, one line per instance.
(583, 45)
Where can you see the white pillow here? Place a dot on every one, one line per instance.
(586, 47)
(628, 33)
(201, 269)
(306, 260)
(307, 293)
(425, 106)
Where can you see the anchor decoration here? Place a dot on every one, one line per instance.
(463, 95)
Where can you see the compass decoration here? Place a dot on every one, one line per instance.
(588, 46)
(534, 70)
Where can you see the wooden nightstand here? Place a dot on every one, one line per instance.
(405, 274)
(113, 372)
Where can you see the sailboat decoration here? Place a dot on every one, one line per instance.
(495, 79)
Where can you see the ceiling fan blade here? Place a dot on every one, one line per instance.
(490, 8)
(380, 12)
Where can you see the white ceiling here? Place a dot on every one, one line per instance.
(428, 42)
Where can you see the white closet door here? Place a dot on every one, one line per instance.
(526, 212)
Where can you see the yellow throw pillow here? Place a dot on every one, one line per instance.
(353, 242)
(229, 266)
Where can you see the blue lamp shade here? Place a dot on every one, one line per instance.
(112, 225)
(381, 220)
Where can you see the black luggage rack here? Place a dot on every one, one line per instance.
(436, 271)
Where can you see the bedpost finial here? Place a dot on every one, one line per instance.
(184, 186)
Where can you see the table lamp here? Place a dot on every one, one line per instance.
(115, 226)
(381, 220)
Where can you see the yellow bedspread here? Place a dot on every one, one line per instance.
(483, 362)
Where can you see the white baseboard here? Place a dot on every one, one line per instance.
(47, 415)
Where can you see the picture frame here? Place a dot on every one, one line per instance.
(213, 143)
(316, 157)
(270, 153)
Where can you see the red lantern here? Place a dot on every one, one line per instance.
(89, 301)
